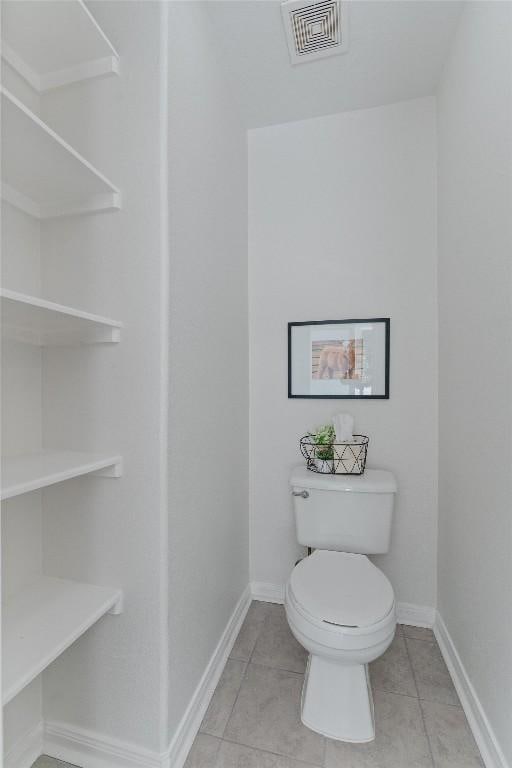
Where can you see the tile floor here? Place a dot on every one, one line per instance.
(253, 720)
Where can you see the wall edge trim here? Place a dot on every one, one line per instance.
(25, 751)
(486, 740)
(189, 726)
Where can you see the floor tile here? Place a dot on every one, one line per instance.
(203, 753)
(400, 740)
(246, 640)
(276, 646)
(267, 715)
(392, 671)
(417, 633)
(431, 674)
(237, 756)
(221, 704)
(451, 741)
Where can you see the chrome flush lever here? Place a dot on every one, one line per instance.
(304, 494)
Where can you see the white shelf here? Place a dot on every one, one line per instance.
(55, 43)
(22, 474)
(42, 621)
(42, 174)
(44, 323)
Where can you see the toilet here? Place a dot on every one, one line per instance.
(339, 605)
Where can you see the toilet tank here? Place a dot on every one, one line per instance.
(347, 513)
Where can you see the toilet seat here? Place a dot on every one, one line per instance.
(341, 589)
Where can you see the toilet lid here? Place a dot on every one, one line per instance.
(342, 588)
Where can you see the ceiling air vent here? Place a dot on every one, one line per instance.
(315, 30)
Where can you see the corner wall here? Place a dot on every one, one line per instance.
(208, 405)
(475, 321)
(342, 224)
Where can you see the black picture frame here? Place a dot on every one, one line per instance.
(387, 334)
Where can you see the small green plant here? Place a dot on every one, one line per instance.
(324, 437)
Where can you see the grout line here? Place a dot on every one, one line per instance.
(270, 752)
(266, 666)
(278, 669)
(441, 703)
(215, 755)
(423, 698)
(324, 760)
(235, 701)
(395, 693)
(244, 673)
(412, 667)
(242, 678)
(260, 630)
(419, 704)
(257, 636)
(422, 714)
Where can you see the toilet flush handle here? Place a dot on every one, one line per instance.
(303, 494)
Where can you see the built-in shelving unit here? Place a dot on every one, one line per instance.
(22, 474)
(55, 43)
(42, 621)
(44, 323)
(48, 44)
(42, 174)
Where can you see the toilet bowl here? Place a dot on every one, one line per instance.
(341, 609)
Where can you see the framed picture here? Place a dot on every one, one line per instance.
(339, 359)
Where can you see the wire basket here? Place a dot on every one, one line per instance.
(347, 458)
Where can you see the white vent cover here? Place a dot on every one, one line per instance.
(315, 30)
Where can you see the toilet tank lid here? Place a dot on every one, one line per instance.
(372, 481)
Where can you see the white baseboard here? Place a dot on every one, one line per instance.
(267, 593)
(407, 613)
(485, 737)
(81, 747)
(191, 720)
(25, 751)
(415, 615)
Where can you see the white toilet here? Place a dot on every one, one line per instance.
(339, 605)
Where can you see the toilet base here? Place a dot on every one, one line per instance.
(337, 700)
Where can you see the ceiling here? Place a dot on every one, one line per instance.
(396, 51)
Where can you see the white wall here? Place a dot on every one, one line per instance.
(208, 420)
(342, 224)
(475, 250)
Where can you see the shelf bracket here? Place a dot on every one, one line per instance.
(108, 65)
(116, 470)
(118, 606)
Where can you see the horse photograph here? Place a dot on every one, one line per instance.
(337, 359)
